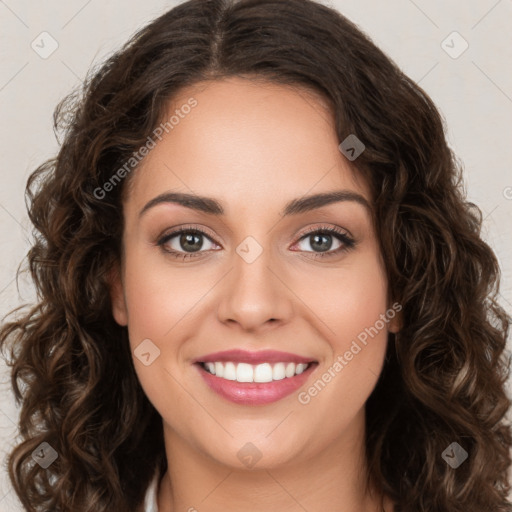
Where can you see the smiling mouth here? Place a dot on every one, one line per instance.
(258, 373)
(255, 384)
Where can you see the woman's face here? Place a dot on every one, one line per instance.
(256, 280)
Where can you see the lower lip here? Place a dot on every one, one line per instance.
(255, 393)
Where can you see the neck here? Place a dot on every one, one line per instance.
(333, 479)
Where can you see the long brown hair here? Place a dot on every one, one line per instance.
(444, 376)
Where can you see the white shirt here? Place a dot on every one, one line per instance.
(150, 500)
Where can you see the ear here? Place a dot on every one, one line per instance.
(396, 321)
(119, 309)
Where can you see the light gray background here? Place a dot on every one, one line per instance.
(473, 92)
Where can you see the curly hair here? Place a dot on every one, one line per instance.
(444, 375)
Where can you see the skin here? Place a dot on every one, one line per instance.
(254, 146)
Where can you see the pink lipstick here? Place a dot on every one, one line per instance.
(254, 378)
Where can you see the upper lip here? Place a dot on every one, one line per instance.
(262, 356)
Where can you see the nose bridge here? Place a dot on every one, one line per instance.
(252, 260)
(253, 293)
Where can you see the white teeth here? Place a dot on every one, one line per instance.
(278, 372)
(229, 371)
(244, 372)
(300, 368)
(290, 370)
(263, 373)
(219, 369)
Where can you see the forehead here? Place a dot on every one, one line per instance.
(247, 141)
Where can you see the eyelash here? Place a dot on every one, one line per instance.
(346, 240)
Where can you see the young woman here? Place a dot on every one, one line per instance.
(261, 287)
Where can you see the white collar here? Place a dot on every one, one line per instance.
(150, 500)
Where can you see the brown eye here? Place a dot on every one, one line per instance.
(183, 243)
(321, 240)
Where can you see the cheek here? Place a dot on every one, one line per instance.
(352, 307)
(347, 300)
(158, 298)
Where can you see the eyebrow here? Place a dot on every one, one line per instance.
(296, 206)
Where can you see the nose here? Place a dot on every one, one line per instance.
(254, 294)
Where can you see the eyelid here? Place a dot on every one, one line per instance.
(325, 227)
(342, 235)
(336, 231)
(312, 229)
(176, 230)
